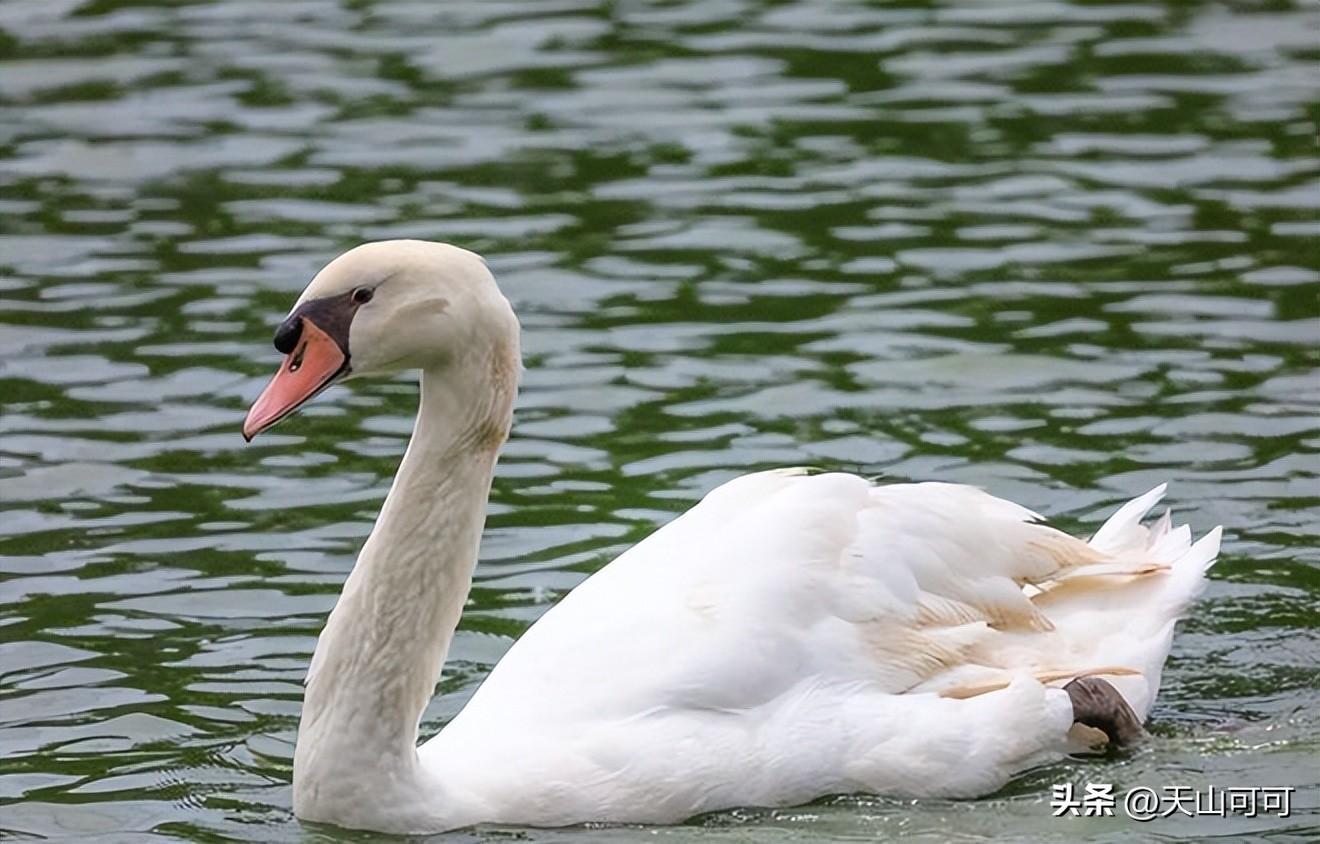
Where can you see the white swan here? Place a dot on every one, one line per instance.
(789, 637)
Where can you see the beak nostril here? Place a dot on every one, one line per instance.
(313, 360)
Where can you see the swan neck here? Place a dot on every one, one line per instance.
(380, 655)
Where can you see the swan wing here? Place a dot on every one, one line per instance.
(794, 635)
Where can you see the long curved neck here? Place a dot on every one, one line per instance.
(380, 655)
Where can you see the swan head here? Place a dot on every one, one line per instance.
(390, 306)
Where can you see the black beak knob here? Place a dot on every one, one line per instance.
(286, 337)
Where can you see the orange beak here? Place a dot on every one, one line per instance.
(304, 372)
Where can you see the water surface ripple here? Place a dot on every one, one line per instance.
(1062, 250)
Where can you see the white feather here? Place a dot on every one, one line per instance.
(789, 637)
(768, 647)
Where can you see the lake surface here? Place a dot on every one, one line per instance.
(1060, 250)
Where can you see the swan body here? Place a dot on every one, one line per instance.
(791, 636)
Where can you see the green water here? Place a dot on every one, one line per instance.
(1061, 250)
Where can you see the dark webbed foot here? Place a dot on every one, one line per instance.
(1097, 704)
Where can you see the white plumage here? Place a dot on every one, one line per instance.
(791, 636)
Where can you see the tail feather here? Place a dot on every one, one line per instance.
(1109, 609)
(1162, 526)
(1118, 620)
(1124, 531)
(1187, 577)
(1172, 545)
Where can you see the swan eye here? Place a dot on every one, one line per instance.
(362, 295)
